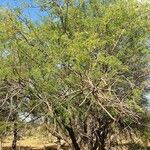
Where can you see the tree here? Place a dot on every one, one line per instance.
(84, 68)
(12, 88)
(102, 63)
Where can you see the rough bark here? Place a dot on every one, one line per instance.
(72, 137)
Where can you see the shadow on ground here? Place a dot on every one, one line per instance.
(134, 146)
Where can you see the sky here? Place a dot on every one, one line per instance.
(33, 12)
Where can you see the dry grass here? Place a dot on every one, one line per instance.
(28, 141)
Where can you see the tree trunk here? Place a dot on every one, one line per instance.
(73, 138)
(1, 145)
(102, 133)
(15, 135)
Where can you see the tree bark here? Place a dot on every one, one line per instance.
(73, 138)
(102, 134)
(1, 145)
(15, 135)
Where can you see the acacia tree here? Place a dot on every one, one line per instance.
(84, 68)
(100, 63)
(12, 93)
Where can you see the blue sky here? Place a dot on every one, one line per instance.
(33, 12)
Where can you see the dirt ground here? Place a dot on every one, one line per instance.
(32, 143)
